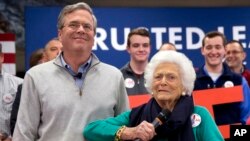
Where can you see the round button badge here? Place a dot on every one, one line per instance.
(8, 98)
(196, 120)
(129, 83)
(228, 84)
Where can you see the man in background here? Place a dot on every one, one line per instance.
(52, 49)
(235, 55)
(167, 46)
(8, 89)
(215, 74)
(139, 48)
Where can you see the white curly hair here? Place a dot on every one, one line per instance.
(187, 71)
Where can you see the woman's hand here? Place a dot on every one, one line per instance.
(8, 139)
(144, 131)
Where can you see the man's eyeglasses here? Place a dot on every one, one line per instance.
(76, 25)
(234, 52)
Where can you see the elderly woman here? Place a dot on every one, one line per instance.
(170, 78)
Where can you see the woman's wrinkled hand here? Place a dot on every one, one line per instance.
(144, 131)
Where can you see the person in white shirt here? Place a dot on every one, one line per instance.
(8, 89)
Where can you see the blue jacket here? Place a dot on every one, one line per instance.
(231, 112)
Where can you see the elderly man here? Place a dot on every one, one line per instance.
(8, 89)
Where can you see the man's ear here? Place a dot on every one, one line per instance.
(244, 55)
(59, 34)
(202, 50)
(128, 49)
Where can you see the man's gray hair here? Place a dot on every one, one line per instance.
(187, 71)
(71, 8)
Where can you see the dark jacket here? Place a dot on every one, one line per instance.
(177, 126)
(134, 83)
(224, 113)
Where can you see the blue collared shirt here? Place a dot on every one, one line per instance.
(81, 73)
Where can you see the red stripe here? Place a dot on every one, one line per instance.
(9, 58)
(7, 37)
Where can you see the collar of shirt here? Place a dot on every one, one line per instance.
(213, 77)
(82, 69)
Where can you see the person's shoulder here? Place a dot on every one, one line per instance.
(227, 71)
(20, 80)
(246, 74)
(200, 109)
(247, 71)
(13, 77)
(126, 70)
(236, 78)
(104, 66)
(200, 72)
(44, 68)
(124, 67)
(201, 113)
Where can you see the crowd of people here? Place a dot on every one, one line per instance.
(69, 94)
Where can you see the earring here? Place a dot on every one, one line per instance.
(183, 93)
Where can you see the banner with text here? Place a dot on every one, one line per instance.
(185, 27)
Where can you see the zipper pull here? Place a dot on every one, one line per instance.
(80, 92)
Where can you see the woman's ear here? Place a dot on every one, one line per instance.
(183, 91)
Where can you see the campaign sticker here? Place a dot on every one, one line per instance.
(8, 98)
(196, 120)
(228, 84)
(129, 83)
